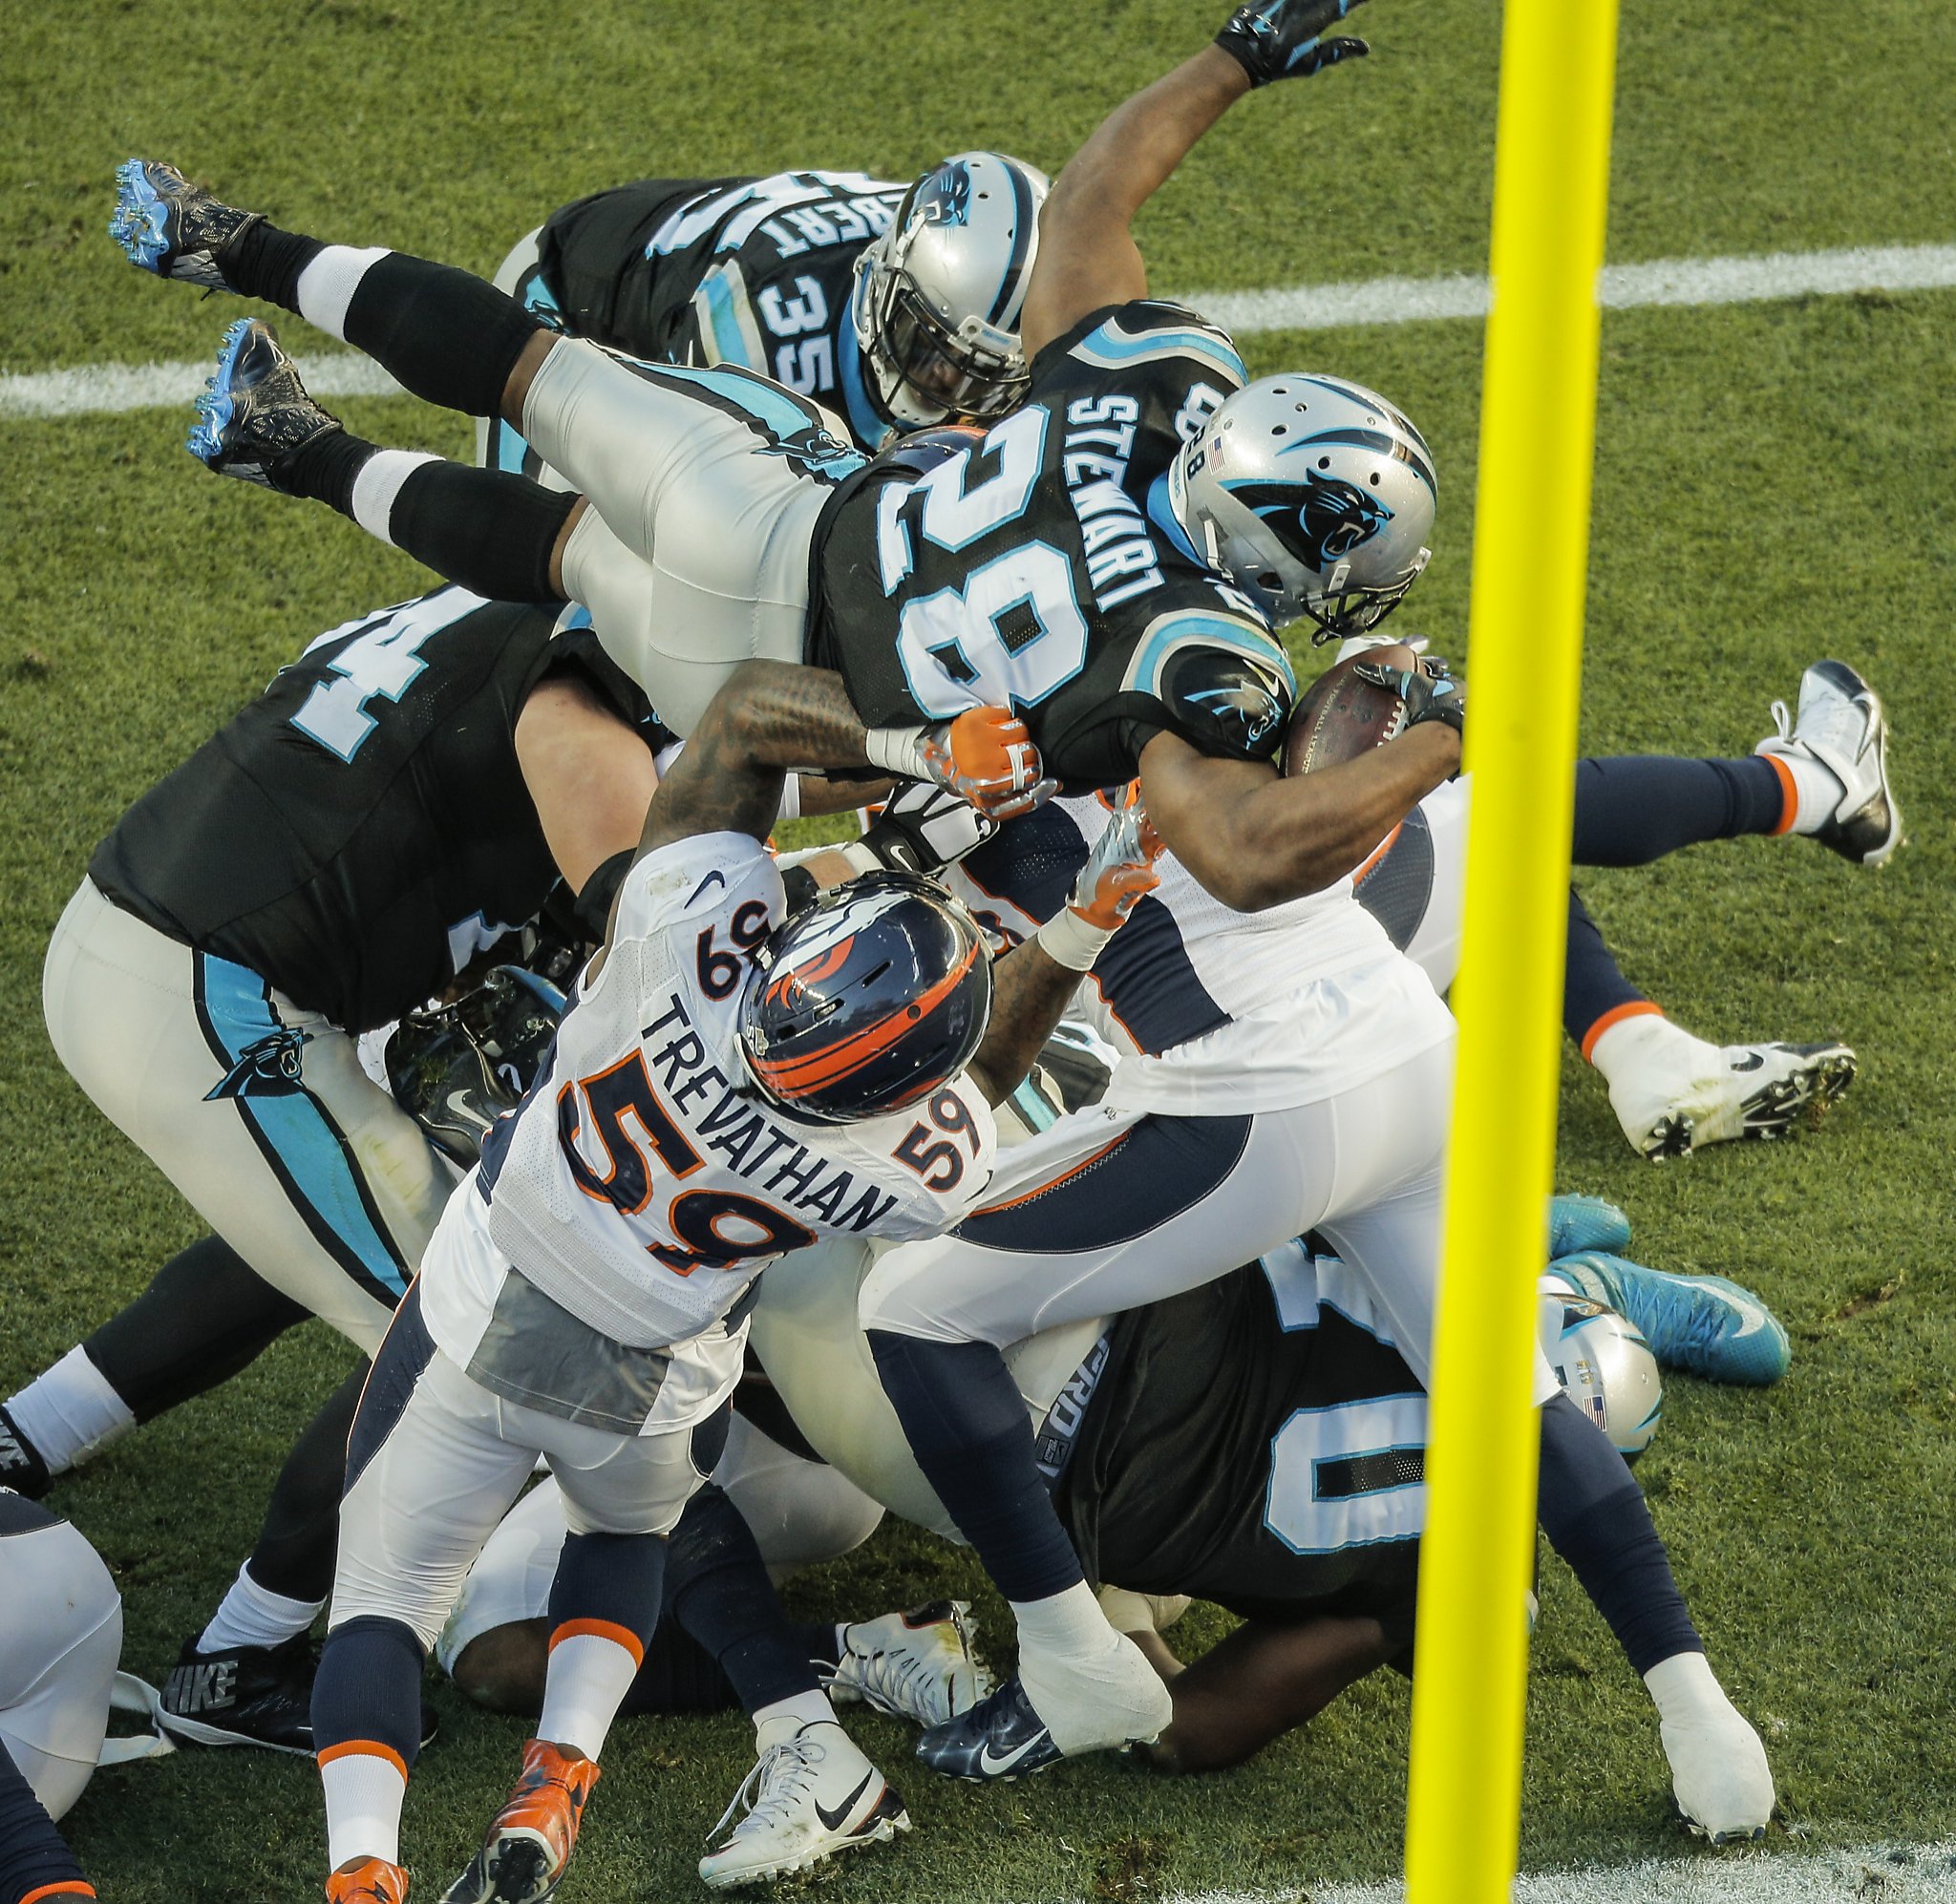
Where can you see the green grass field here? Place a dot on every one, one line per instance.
(1774, 484)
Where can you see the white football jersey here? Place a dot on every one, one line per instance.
(645, 1181)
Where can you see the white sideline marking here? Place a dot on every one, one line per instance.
(113, 388)
(1871, 1875)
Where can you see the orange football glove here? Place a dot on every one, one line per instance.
(1118, 873)
(986, 757)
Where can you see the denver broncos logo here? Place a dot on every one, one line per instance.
(1334, 517)
(787, 990)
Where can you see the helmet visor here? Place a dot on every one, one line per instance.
(941, 370)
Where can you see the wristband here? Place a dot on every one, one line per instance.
(1068, 940)
(898, 751)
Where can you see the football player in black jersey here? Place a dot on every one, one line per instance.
(895, 308)
(1090, 564)
(398, 799)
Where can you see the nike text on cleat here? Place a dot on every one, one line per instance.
(999, 1738)
(1585, 1223)
(529, 1841)
(254, 410)
(919, 1665)
(245, 1695)
(1843, 727)
(808, 1798)
(166, 224)
(1670, 1108)
(1703, 1324)
(371, 1881)
(21, 1467)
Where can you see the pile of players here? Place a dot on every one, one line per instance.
(906, 496)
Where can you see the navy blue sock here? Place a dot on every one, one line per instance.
(1596, 1519)
(452, 339)
(679, 1675)
(1635, 808)
(614, 1578)
(492, 532)
(1593, 985)
(966, 1423)
(33, 1853)
(722, 1596)
(300, 1532)
(368, 1689)
(264, 262)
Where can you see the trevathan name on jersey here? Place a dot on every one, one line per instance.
(644, 1183)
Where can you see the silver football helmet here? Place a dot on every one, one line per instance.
(937, 297)
(1315, 494)
(1604, 1365)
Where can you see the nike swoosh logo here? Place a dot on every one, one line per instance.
(702, 887)
(458, 1103)
(834, 1819)
(992, 1767)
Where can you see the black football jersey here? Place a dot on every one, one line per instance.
(1043, 569)
(754, 272)
(1257, 1443)
(361, 830)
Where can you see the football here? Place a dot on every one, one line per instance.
(1341, 717)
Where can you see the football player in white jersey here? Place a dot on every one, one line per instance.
(724, 1087)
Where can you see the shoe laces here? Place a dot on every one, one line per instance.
(897, 1680)
(1782, 719)
(770, 1792)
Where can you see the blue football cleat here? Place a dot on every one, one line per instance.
(1585, 1223)
(166, 224)
(1703, 1324)
(254, 410)
(999, 1738)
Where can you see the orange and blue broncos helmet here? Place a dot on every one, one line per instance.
(867, 1001)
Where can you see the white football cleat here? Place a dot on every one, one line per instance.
(919, 1665)
(809, 1797)
(1675, 1094)
(1843, 725)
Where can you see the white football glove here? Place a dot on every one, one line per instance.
(923, 829)
(1718, 1769)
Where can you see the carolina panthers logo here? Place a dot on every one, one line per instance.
(269, 1068)
(1335, 517)
(818, 451)
(945, 197)
(1245, 708)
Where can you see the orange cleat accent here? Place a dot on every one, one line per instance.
(371, 1881)
(529, 1842)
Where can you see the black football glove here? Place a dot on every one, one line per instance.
(1278, 39)
(923, 829)
(1425, 699)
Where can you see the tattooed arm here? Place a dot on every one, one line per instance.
(771, 717)
(1030, 991)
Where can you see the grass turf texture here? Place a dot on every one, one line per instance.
(1772, 486)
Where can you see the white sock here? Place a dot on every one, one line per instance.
(1644, 1039)
(327, 286)
(363, 1806)
(775, 1723)
(254, 1616)
(377, 483)
(1816, 790)
(1090, 1687)
(584, 1686)
(70, 1411)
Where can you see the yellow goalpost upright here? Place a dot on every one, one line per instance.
(1537, 423)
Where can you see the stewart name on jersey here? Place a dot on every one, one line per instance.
(645, 1182)
(752, 272)
(361, 830)
(1043, 568)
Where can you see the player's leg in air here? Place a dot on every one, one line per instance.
(1823, 775)
(670, 458)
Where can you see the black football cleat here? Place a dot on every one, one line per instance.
(21, 1467)
(999, 1738)
(249, 1696)
(166, 224)
(254, 411)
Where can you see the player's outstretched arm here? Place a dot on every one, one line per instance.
(1033, 984)
(1087, 254)
(1254, 840)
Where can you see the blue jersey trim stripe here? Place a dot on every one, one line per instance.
(297, 1134)
(1111, 347)
(777, 414)
(729, 340)
(1211, 630)
(866, 425)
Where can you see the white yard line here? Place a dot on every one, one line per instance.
(1867, 1875)
(111, 388)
